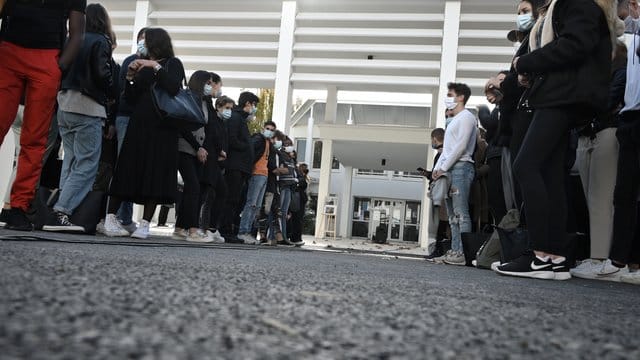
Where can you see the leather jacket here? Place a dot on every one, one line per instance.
(91, 71)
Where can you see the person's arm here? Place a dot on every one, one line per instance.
(579, 36)
(102, 68)
(616, 93)
(170, 76)
(74, 43)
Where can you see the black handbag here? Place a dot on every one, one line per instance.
(181, 110)
(513, 243)
(472, 242)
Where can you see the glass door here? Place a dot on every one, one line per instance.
(396, 210)
(380, 220)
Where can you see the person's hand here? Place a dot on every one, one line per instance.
(634, 9)
(437, 174)
(523, 80)
(202, 155)
(110, 132)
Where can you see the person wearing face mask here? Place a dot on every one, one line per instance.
(286, 183)
(567, 75)
(457, 161)
(212, 177)
(263, 162)
(147, 166)
(239, 163)
(192, 158)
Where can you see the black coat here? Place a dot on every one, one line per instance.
(91, 71)
(574, 69)
(240, 154)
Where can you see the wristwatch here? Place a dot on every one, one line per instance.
(157, 68)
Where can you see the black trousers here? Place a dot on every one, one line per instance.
(519, 125)
(189, 210)
(213, 201)
(297, 219)
(625, 248)
(236, 181)
(540, 170)
(495, 190)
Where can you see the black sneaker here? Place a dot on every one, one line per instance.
(528, 265)
(561, 269)
(297, 243)
(232, 239)
(17, 220)
(60, 222)
(435, 254)
(4, 217)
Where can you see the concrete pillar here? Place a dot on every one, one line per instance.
(425, 217)
(345, 209)
(308, 150)
(7, 151)
(449, 58)
(324, 183)
(331, 110)
(283, 89)
(143, 9)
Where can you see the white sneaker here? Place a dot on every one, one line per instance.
(631, 278)
(131, 228)
(248, 239)
(179, 234)
(199, 237)
(440, 259)
(455, 258)
(100, 228)
(609, 272)
(112, 227)
(142, 232)
(215, 237)
(494, 265)
(587, 269)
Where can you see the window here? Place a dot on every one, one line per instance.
(407, 174)
(371, 172)
(301, 149)
(361, 217)
(411, 221)
(317, 157)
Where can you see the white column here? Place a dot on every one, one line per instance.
(345, 202)
(308, 150)
(324, 184)
(143, 8)
(449, 58)
(331, 110)
(425, 217)
(7, 151)
(283, 89)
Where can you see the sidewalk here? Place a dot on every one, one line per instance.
(364, 246)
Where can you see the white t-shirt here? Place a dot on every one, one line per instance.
(459, 141)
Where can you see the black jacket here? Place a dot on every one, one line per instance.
(91, 72)
(257, 141)
(240, 154)
(574, 69)
(124, 108)
(512, 93)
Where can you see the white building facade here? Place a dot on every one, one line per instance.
(375, 72)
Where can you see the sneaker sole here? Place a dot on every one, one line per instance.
(543, 275)
(562, 276)
(18, 228)
(54, 228)
(116, 234)
(454, 263)
(138, 236)
(200, 241)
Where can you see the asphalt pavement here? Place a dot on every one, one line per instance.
(85, 300)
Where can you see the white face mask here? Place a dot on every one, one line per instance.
(289, 149)
(208, 90)
(277, 144)
(267, 133)
(450, 103)
(142, 48)
(525, 22)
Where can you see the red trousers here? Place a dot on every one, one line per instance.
(35, 73)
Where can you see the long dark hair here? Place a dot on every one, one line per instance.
(97, 20)
(158, 43)
(197, 81)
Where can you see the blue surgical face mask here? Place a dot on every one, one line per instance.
(226, 114)
(267, 134)
(208, 90)
(253, 111)
(277, 144)
(525, 22)
(142, 48)
(448, 121)
(218, 94)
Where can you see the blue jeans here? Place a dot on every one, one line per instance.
(285, 201)
(125, 212)
(82, 140)
(255, 195)
(461, 175)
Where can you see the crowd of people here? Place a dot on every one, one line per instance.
(233, 187)
(560, 146)
(565, 127)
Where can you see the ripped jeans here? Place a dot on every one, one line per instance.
(461, 174)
